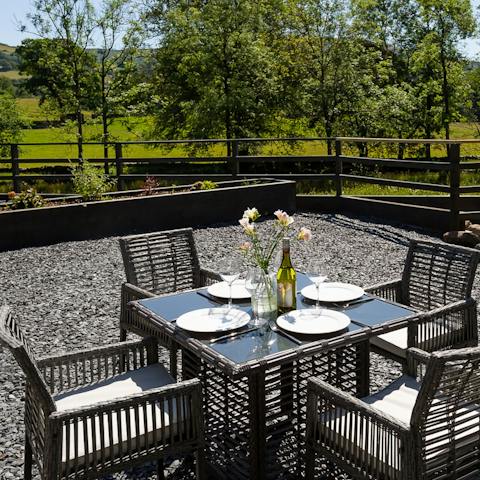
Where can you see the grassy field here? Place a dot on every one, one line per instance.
(11, 74)
(137, 129)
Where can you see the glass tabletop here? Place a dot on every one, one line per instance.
(246, 344)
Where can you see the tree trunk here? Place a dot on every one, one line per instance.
(80, 134)
(329, 131)
(105, 136)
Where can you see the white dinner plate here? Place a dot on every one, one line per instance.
(333, 292)
(210, 320)
(313, 321)
(220, 290)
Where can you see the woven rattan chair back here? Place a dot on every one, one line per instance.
(12, 336)
(161, 262)
(446, 416)
(437, 274)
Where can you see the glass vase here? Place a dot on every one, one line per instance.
(264, 298)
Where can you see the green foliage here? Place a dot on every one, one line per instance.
(204, 185)
(26, 199)
(8, 59)
(53, 77)
(215, 72)
(11, 122)
(89, 182)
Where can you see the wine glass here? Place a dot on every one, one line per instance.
(315, 274)
(229, 269)
(252, 281)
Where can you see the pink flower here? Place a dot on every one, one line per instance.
(283, 218)
(251, 213)
(247, 226)
(304, 234)
(246, 246)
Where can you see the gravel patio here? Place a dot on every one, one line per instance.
(67, 297)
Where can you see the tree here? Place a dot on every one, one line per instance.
(45, 62)
(116, 63)
(215, 74)
(443, 24)
(322, 53)
(68, 25)
(11, 122)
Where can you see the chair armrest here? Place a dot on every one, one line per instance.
(454, 307)
(207, 277)
(347, 402)
(171, 414)
(165, 393)
(420, 356)
(135, 293)
(390, 290)
(78, 368)
(130, 293)
(452, 325)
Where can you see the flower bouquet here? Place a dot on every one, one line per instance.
(259, 252)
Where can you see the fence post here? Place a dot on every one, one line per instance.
(454, 159)
(338, 168)
(234, 164)
(15, 167)
(119, 165)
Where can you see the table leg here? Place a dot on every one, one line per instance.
(257, 425)
(363, 369)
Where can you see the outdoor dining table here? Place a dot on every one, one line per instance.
(254, 381)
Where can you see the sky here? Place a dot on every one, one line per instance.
(12, 12)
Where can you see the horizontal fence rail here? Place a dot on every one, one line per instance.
(309, 167)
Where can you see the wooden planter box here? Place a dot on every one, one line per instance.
(90, 220)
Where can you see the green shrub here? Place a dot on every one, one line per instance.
(89, 182)
(27, 199)
(205, 185)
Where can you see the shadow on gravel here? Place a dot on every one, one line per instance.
(377, 227)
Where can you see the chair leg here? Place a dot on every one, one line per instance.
(200, 468)
(173, 362)
(123, 335)
(27, 465)
(310, 464)
(160, 469)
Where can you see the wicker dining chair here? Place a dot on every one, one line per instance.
(437, 280)
(97, 411)
(410, 430)
(155, 264)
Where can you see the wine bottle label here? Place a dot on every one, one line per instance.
(285, 295)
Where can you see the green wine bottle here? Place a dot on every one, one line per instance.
(286, 282)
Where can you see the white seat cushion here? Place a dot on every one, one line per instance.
(396, 342)
(81, 441)
(398, 401)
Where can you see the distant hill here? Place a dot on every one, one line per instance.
(8, 58)
(6, 48)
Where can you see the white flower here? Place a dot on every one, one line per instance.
(251, 213)
(304, 234)
(283, 218)
(247, 226)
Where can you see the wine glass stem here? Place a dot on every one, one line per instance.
(230, 295)
(317, 303)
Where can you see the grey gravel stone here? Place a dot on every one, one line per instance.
(67, 296)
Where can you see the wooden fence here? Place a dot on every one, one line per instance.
(233, 163)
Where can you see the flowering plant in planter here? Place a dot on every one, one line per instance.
(260, 252)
